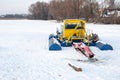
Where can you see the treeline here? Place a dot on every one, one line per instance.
(64, 9)
(91, 10)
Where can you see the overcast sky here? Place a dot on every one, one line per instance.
(16, 6)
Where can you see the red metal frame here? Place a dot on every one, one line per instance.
(84, 49)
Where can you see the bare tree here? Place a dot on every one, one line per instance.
(39, 10)
(55, 9)
(111, 3)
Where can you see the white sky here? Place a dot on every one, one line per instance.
(16, 6)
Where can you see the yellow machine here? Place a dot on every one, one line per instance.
(74, 30)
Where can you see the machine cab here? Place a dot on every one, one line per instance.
(74, 29)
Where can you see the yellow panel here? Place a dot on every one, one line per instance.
(70, 32)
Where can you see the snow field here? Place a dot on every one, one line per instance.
(24, 53)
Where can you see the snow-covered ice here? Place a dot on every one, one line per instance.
(24, 53)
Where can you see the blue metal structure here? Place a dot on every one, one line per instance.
(54, 44)
(103, 46)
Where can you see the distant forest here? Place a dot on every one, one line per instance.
(14, 16)
(72, 9)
